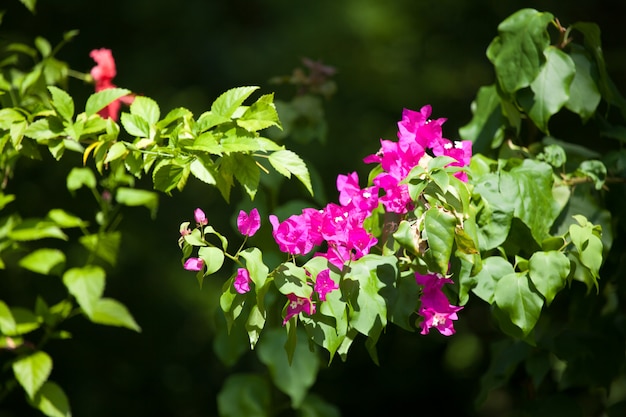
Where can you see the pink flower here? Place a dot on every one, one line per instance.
(194, 264)
(242, 281)
(298, 234)
(435, 308)
(440, 320)
(103, 74)
(297, 305)
(248, 225)
(200, 217)
(324, 284)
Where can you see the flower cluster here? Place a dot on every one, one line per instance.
(419, 139)
(247, 224)
(103, 74)
(337, 232)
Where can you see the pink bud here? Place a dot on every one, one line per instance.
(194, 264)
(200, 217)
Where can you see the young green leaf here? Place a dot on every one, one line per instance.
(101, 99)
(111, 312)
(62, 102)
(32, 371)
(287, 162)
(86, 284)
(52, 401)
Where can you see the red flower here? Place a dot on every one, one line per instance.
(103, 74)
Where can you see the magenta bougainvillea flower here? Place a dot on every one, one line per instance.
(298, 305)
(324, 284)
(200, 217)
(298, 234)
(418, 136)
(194, 264)
(242, 281)
(249, 224)
(435, 308)
(103, 74)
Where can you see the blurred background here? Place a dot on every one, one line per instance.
(388, 56)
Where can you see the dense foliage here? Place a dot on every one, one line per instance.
(518, 217)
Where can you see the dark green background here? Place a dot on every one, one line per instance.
(389, 55)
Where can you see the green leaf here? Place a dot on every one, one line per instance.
(368, 308)
(35, 229)
(79, 177)
(44, 261)
(86, 284)
(209, 119)
(260, 115)
(514, 296)
(32, 371)
(439, 227)
(486, 120)
(213, 258)
(244, 395)
(167, 176)
(30, 4)
(328, 327)
(315, 406)
(25, 320)
(291, 279)
(584, 94)
(517, 51)
(135, 197)
(548, 271)
(287, 162)
(535, 206)
(255, 324)
(589, 248)
(111, 312)
(135, 125)
(258, 274)
(595, 170)
(227, 103)
(116, 151)
(247, 172)
(62, 102)
(101, 99)
(7, 322)
(63, 219)
(52, 401)
(295, 378)
(146, 108)
(485, 281)
(551, 87)
(203, 170)
(105, 245)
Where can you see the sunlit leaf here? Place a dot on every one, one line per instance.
(111, 312)
(101, 99)
(548, 271)
(551, 87)
(44, 261)
(62, 102)
(226, 104)
(52, 401)
(517, 51)
(514, 295)
(32, 371)
(86, 284)
(287, 162)
(146, 108)
(136, 197)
